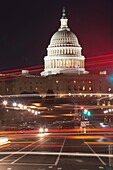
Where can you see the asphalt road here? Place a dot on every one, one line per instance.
(57, 151)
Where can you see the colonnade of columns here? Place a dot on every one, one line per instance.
(64, 63)
(64, 51)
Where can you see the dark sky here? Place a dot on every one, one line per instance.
(27, 26)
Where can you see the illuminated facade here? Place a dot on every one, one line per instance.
(60, 84)
(64, 52)
(64, 71)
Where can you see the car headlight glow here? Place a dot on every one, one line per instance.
(41, 130)
(46, 129)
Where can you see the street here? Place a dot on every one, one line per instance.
(56, 151)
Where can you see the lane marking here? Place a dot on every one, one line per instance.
(50, 167)
(57, 160)
(24, 164)
(28, 152)
(12, 153)
(97, 155)
(79, 154)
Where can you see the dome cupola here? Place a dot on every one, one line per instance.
(64, 37)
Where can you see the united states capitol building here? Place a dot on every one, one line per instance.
(64, 52)
(64, 70)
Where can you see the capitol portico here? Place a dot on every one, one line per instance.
(64, 52)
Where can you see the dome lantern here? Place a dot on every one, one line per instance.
(64, 20)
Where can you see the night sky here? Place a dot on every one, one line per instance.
(27, 26)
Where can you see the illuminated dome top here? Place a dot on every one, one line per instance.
(64, 37)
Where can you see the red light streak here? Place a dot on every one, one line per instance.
(101, 56)
(19, 69)
(98, 67)
(99, 62)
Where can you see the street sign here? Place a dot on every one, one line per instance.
(84, 123)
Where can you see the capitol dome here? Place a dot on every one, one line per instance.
(64, 52)
(64, 38)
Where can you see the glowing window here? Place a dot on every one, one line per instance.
(109, 89)
(89, 88)
(84, 88)
(7, 89)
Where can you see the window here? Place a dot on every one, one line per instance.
(66, 63)
(69, 88)
(30, 88)
(84, 88)
(57, 88)
(75, 88)
(90, 88)
(109, 89)
(78, 87)
(7, 89)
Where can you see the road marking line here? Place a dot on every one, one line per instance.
(50, 167)
(57, 154)
(97, 155)
(24, 164)
(28, 152)
(57, 160)
(12, 153)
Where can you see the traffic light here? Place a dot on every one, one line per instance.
(86, 113)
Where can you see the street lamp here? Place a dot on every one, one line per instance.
(20, 105)
(5, 102)
(14, 104)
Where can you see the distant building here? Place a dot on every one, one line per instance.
(60, 84)
(64, 70)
